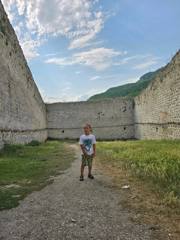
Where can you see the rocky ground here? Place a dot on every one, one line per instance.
(70, 209)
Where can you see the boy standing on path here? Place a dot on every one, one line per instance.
(87, 143)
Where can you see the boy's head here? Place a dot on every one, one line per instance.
(90, 127)
(87, 130)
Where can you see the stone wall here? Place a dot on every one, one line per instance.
(154, 114)
(111, 119)
(22, 111)
(157, 109)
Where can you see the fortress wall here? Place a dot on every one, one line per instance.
(22, 111)
(157, 109)
(154, 114)
(111, 119)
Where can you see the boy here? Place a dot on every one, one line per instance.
(88, 146)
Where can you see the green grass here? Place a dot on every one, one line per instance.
(29, 167)
(156, 162)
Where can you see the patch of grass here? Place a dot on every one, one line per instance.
(24, 169)
(155, 161)
(34, 143)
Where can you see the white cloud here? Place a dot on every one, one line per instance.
(90, 93)
(78, 20)
(63, 97)
(52, 54)
(94, 27)
(7, 5)
(146, 64)
(121, 79)
(94, 78)
(139, 62)
(129, 80)
(66, 95)
(61, 61)
(29, 47)
(129, 59)
(98, 58)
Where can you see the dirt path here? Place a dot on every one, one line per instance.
(70, 209)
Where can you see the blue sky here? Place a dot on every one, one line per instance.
(77, 48)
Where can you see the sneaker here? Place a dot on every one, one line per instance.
(81, 178)
(90, 176)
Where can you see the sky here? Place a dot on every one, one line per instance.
(78, 48)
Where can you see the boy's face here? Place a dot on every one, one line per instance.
(86, 130)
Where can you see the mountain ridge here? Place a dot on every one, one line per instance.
(127, 90)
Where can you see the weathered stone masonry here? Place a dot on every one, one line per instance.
(22, 110)
(24, 117)
(111, 119)
(157, 109)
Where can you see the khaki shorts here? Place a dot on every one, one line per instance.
(87, 160)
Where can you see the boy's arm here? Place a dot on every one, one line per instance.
(83, 149)
(82, 146)
(94, 146)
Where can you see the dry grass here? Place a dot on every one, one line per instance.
(154, 197)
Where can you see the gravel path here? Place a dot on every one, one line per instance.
(70, 209)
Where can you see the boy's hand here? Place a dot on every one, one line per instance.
(85, 154)
(93, 155)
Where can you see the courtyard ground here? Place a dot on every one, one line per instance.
(70, 209)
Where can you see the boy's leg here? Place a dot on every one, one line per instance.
(83, 163)
(82, 169)
(90, 168)
(82, 172)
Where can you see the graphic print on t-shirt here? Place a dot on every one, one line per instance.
(88, 144)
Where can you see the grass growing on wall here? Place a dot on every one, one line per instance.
(24, 169)
(156, 162)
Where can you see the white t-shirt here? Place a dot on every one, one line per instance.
(88, 141)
